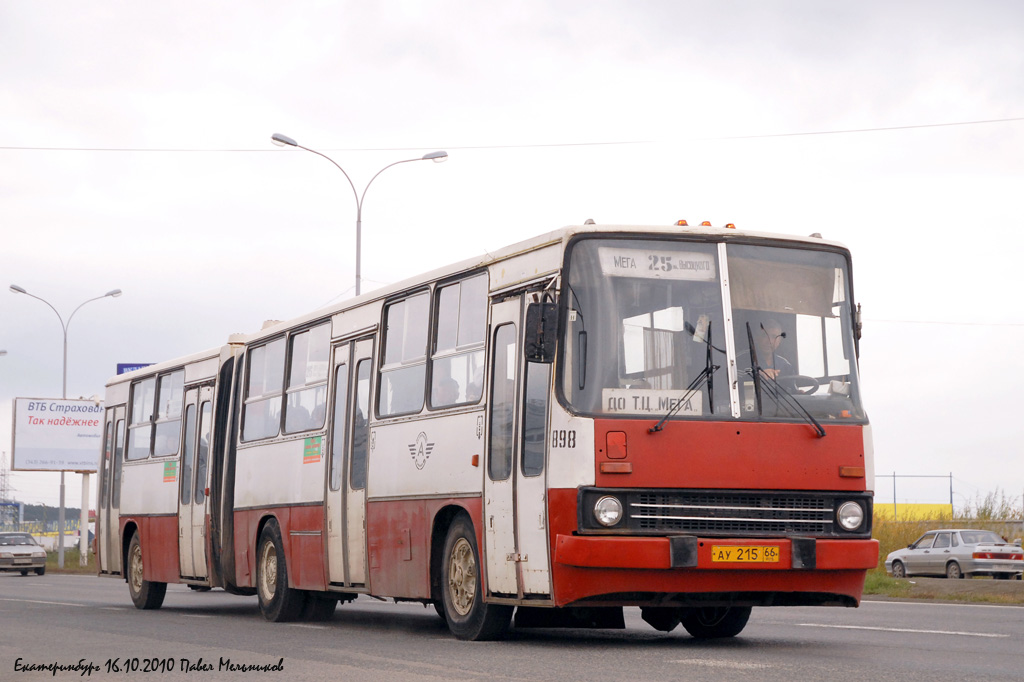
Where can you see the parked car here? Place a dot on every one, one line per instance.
(21, 552)
(958, 553)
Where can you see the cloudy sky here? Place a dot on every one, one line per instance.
(135, 154)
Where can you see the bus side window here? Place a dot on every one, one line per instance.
(203, 453)
(306, 406)
(360, 425)
(340, 424)
(170, 400)
(535, 419)
(262, 414)
(108, 453)
(188, 455)
(140, 429)
(404, 365)
(458, 349)
(115, 480)
(503, 400)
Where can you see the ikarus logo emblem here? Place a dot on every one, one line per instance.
(420, 450)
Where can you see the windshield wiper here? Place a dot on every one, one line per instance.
(755, 369)
(782, 397)
(706, 376)
(695, 385)
(775, 391)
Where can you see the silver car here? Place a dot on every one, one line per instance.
(21, 552)
(958, 553)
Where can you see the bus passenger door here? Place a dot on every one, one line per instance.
(346, 473)
(359, 438)
(103, 521)
(338, 449)
(515, 509)
(108, 530)
(200, 497)
(192, 498)
(186, 479)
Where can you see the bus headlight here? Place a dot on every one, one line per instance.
(608, 511)
(850, 515)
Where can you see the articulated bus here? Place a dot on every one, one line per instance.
(667, 418)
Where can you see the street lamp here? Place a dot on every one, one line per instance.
(285, 141)
(83, 533)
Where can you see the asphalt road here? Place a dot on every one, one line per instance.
(68, 619)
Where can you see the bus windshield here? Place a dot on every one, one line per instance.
(648, 333)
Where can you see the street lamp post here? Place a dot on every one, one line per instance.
(83, 533)
(436, 157)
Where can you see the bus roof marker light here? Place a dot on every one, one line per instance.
(730, 226)
(706, 223)
(682, 223)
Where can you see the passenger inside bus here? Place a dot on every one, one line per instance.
(446, 392)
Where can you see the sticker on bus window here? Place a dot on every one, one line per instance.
(311, 450)
(170, 472)
(651, 401)
(656, 264)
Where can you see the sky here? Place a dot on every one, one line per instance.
(135, 154)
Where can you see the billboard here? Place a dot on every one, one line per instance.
(125, 367)
(56, 435)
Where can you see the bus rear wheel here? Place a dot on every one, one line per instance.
(715, 622)
(145, 593)
(278, 601)
(467, 615)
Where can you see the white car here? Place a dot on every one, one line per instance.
(21, 552)
(958, 553)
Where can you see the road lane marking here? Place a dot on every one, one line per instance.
(922, 632)
(309, 627)
(952, 604)
(37, 601)
(712, 663)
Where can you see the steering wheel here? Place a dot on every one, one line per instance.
(800, 384)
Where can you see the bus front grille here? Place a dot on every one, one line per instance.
(724, 513)
(731, 514)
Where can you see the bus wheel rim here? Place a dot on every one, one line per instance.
(462, 577)
(136, 569)
(268, 571)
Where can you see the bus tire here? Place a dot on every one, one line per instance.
(715, 622)
(145, 594)
(468, 617)
(278, 602)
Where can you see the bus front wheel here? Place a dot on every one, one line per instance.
(464, 608)
(709, 622)
(145, 593)
(278, 601)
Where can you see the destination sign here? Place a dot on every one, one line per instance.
(650, 401)
(656, 263)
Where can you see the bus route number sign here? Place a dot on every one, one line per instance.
(656, 264)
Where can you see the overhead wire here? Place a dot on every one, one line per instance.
(846, 131)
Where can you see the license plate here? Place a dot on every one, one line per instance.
(753, 554)
(22, 561)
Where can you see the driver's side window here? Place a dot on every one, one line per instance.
(924, 542)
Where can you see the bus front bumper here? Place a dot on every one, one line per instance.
(687, 551)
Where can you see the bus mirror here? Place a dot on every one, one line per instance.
(541, 332)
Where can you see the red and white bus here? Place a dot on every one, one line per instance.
(600, 417)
